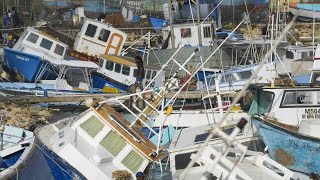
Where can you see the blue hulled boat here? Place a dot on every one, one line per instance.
(287, 119)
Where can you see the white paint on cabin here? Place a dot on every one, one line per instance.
(291, 106)
(86, 154)
(127, 74)
(36, 42)
(183, 32)
(97, 38)
(292, 53)
(235, 79)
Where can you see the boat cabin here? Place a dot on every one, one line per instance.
(97, 38)
(99, 142)
(39, 43)
(236, 78)
(189, 32)
(290, 54)
(123, 70)
(289, 105)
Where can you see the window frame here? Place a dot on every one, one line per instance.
(55, 49)
(123, 70)
(297, 105)
(43, 44)
(107, 63)
(185, 32)
(27, 39)
(90, 29)
(104, 38)
(115, 68)
(206, 30)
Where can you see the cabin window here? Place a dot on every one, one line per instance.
(33, 38)
(100, 62)
(311, 53)
(315, 77)
(91, 30)
(45, 43)
(148, 74)
(185, 32)
(104, 35)
(109, 65)
(289, 55)
(182, 160)
(133, 161)
(113, 143)
(207, 32)
(244, 74)
(154, 73)
(304, 54)
(135, 72)
(300, 98)
(92, 126)
(59, 50)
(117, 68)
(126, 70)
(227, 78)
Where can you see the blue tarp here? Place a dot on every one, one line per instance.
(157, 23)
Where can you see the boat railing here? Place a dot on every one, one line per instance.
(10, 136)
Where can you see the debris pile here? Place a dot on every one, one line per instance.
(304, 33)
(253, 33)
(24, 116)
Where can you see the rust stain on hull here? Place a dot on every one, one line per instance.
(284, 157)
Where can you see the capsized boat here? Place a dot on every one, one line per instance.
(40, 56)
(120, 72)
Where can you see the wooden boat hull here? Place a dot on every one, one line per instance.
(295, 151)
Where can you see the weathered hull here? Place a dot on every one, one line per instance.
(23, 66)
(291, 149)
(59, 168)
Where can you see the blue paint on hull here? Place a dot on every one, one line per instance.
(59, 168)
(99, 81)
(295, 151)
(27, 65)
(12, 158)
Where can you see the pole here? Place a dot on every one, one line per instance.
(314, 14)
(171, 24)
(104, 6)
(198, 19)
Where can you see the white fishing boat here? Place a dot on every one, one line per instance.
(236, 78)
(217, 162)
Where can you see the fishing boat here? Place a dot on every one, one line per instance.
(287, 119)
(120, 72)
(236, 78)
(39, 56)
(216, 160)
(306, 11)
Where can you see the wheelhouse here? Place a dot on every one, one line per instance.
(39, 43)
(124, 70)
(97, 38)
